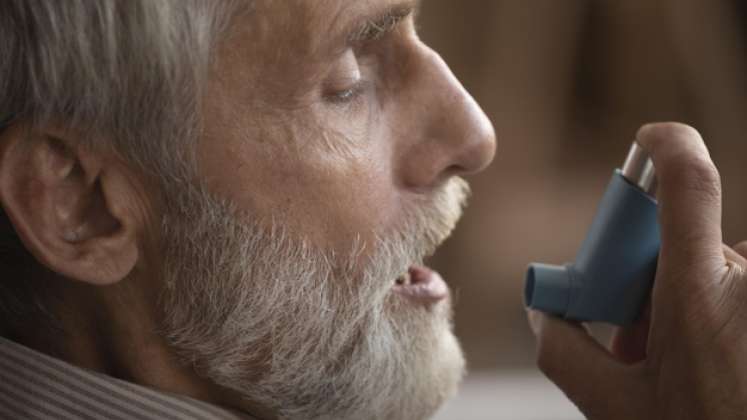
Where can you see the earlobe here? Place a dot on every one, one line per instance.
(58, 197)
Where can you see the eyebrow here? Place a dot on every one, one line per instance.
(372, 28)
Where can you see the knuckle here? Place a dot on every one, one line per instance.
(706, 180)
(705, 169)
(697, 174)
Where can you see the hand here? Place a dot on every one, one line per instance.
(687, 358)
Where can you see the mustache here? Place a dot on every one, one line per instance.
(426, 225)
(439, 220)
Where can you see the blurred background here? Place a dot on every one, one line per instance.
(567, 84)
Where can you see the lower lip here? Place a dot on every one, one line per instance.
(426, 286)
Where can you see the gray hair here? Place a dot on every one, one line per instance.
(127, 70)
(127, 74)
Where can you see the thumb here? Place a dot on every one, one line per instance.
(590, 376)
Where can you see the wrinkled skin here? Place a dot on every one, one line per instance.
(409, 128)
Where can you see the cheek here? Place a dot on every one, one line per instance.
(327, 188)
(346, 178)
(340, 198)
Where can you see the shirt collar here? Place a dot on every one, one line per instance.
(34, 385)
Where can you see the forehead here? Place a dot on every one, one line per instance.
(279, 42)
(310, 25)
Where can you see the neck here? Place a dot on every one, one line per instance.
(113, 330)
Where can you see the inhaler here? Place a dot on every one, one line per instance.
(612, 276)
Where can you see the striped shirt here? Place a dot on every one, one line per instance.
(37, 386)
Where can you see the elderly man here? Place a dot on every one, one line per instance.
(228, 201)
(220, 209)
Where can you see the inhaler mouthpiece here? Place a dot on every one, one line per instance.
(616, 265)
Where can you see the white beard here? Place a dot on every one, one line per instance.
(302, 331)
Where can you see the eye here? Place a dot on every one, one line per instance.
(347, 95)
(344, 84)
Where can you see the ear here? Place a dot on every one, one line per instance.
(70, 206)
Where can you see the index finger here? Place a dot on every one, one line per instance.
(689, 194)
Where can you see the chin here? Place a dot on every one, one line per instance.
(438, 381)
(429, 364)
(405, 368)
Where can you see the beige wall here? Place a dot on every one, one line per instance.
(567, 83)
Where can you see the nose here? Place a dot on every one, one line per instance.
(454, 136)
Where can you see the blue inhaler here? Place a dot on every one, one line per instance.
(614, 271)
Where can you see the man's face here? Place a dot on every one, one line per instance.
(334, 135)
(329, 162)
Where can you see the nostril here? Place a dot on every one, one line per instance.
(454, 170)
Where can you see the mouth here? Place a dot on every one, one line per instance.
(421, 285)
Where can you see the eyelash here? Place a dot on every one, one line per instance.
(354, 94)
(348, 96)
